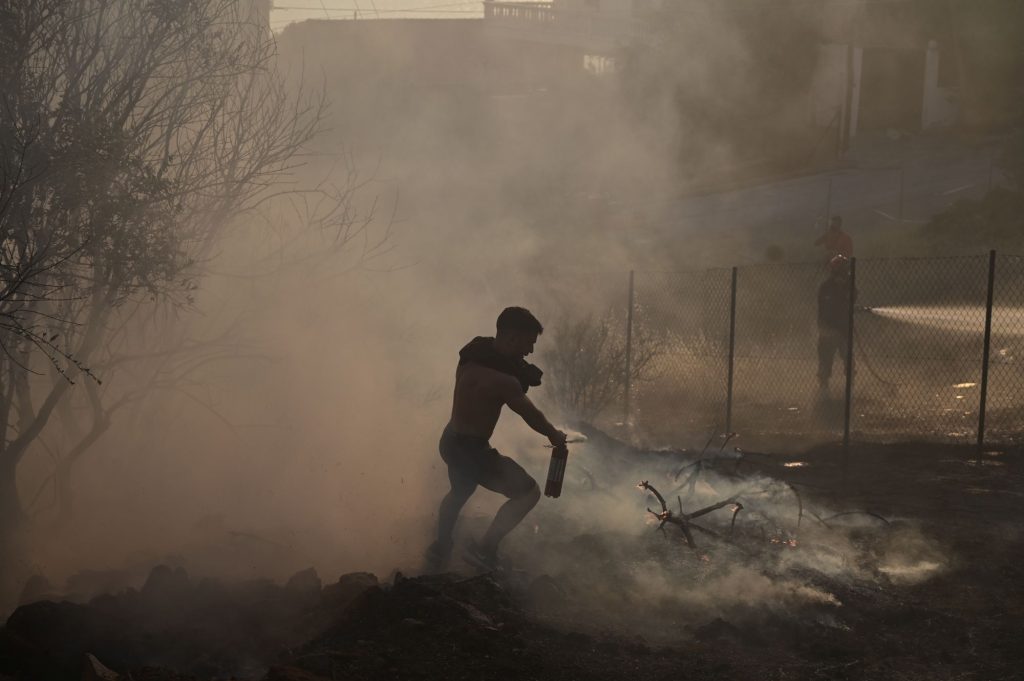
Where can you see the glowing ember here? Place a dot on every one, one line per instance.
(964, 385)
(780, 541)
(794, 464)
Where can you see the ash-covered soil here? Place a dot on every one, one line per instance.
(927, 588)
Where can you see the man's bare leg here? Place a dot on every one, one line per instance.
(509, 515)
(448, 513)
(447, 516)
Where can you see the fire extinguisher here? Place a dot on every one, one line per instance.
(556, 471)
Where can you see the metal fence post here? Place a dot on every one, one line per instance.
(849, 354)
(732, 353)
(983, 400)
(627, 379)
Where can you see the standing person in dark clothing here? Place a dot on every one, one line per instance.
(833, 319)
(491, 374)
(835, 241)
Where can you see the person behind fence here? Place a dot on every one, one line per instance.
(492, 373)
(835, 241)
(833, 319)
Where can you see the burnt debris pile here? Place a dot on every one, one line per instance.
(204, 628)
(758, 571)
(428, 627)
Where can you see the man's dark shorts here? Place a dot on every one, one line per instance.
(472, 461)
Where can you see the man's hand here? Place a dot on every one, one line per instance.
(557, 438)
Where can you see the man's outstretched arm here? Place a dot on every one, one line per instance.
(517, 401)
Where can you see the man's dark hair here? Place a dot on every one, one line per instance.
(518, 319)
(837, 221)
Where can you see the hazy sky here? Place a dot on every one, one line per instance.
(288, 11)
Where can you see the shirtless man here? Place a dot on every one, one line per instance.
(492, 372)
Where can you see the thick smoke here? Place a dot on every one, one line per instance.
(314, 443)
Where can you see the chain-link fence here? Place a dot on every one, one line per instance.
(776, 382)
(1005, 399)
(935, 349)
(681, 358)
(918, 351)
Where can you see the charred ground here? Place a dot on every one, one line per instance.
(594, 614)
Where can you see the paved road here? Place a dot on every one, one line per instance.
(873, 201)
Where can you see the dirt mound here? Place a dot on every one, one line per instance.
(932, 594)
(203, 628)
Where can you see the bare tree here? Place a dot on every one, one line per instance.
(131, 134)
(587, 362)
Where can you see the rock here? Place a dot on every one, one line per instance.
(304, 581)
(94, 670)
(14, 650)
(411, 623)
(715, 630)
(347, 588)
(483, 591)
(164, 581)
(53, 626)
(477, 617)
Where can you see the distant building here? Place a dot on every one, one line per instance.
(882, 65)
(885, 66)
(415, 55)
(595, 27)
(404, 53)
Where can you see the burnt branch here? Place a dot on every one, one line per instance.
(684, 520)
